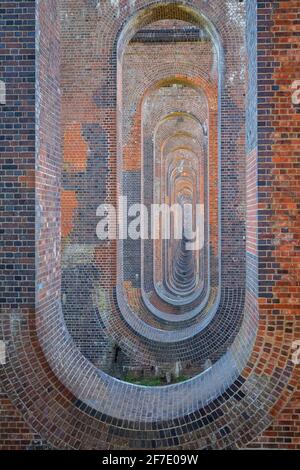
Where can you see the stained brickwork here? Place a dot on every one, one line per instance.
(64, 318)
(278, 196)
(15, 433)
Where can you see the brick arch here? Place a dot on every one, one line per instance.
(166, 157)
(43, 399)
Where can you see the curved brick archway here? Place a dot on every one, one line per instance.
(235, 413)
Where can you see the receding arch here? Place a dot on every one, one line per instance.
(53, 356)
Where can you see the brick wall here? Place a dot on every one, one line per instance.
(32, 99)
(15, 434)
(278, 193)
(47, 402)
(17, 149)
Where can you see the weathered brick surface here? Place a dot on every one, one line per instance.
(17, 150)
(15, 433)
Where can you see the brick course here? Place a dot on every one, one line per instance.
(53, 393)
